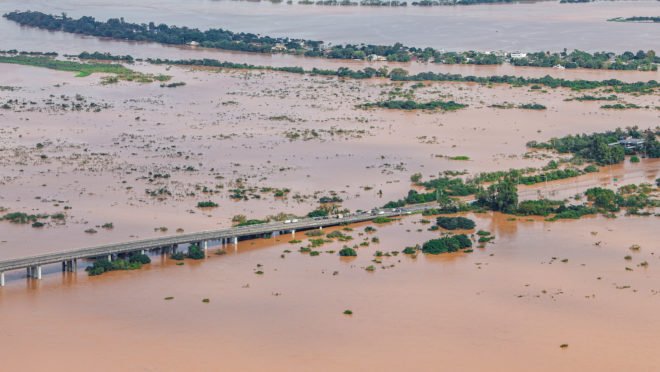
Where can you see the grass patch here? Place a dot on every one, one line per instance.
(85, 69)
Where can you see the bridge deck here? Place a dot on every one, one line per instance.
(160, 242)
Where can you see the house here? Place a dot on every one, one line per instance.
(376, 57)
(279, 47)
(518, 55)
(193, 43)
(630, 143)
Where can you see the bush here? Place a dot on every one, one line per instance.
(447, 244)
(142, 259)
(541, 207)
(318, 213)
(603, 198)
(206, 204)
(409, 250)
(453, 223)
(347, 252)
(590, 168)
(195, 252)
(382, 220)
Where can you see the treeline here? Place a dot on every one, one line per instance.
(248, 42)
(399, 74)
(24, 53)
(119, 29)
(549, 81)
(644, 61)
(105, 57)
(635, 19)
(413, 105)
(394, 3)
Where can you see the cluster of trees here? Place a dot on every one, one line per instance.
(441, 187)
(413, 105)
(347, 252)
(532, 106)
(24, 53)
(194, 252)
(105, 57)
(501, 196)
(632, 197)
(451, 243)
(549, 81)
(134, 262)
(453, 223)
(636, 19)
(600, 60)
(457, 2)
(119, 29)
(596, 146)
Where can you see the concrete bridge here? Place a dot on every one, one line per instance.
(69, 259)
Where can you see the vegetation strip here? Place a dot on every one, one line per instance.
(118, 71)
(248, 42)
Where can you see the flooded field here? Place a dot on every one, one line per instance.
(123, 161)
(150, 154)
(513, 303)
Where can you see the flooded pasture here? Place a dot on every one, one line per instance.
(512, 303)
(119, 162)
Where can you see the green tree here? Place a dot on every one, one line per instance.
(502, 196)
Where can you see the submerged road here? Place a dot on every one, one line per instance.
(69, 258)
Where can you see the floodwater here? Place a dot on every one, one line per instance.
(255, 129)
(506, 307)
(150, 154)
(509, 27)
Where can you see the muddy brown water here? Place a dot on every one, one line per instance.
(512, 303)
(235, 125)
(527, 27)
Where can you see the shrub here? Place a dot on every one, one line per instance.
(177, 256)
(206, 204)
(590, 168)
(140, 258)
(409, 250)
(195, 252)
(453, 223)
(541, 207)
(347, 252)
(447, 244)
(382, 220)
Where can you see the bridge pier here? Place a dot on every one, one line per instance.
(293, 233)
(205, 246)
(109, 258)
(70, 266)
(2, 279)
(34, 272)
